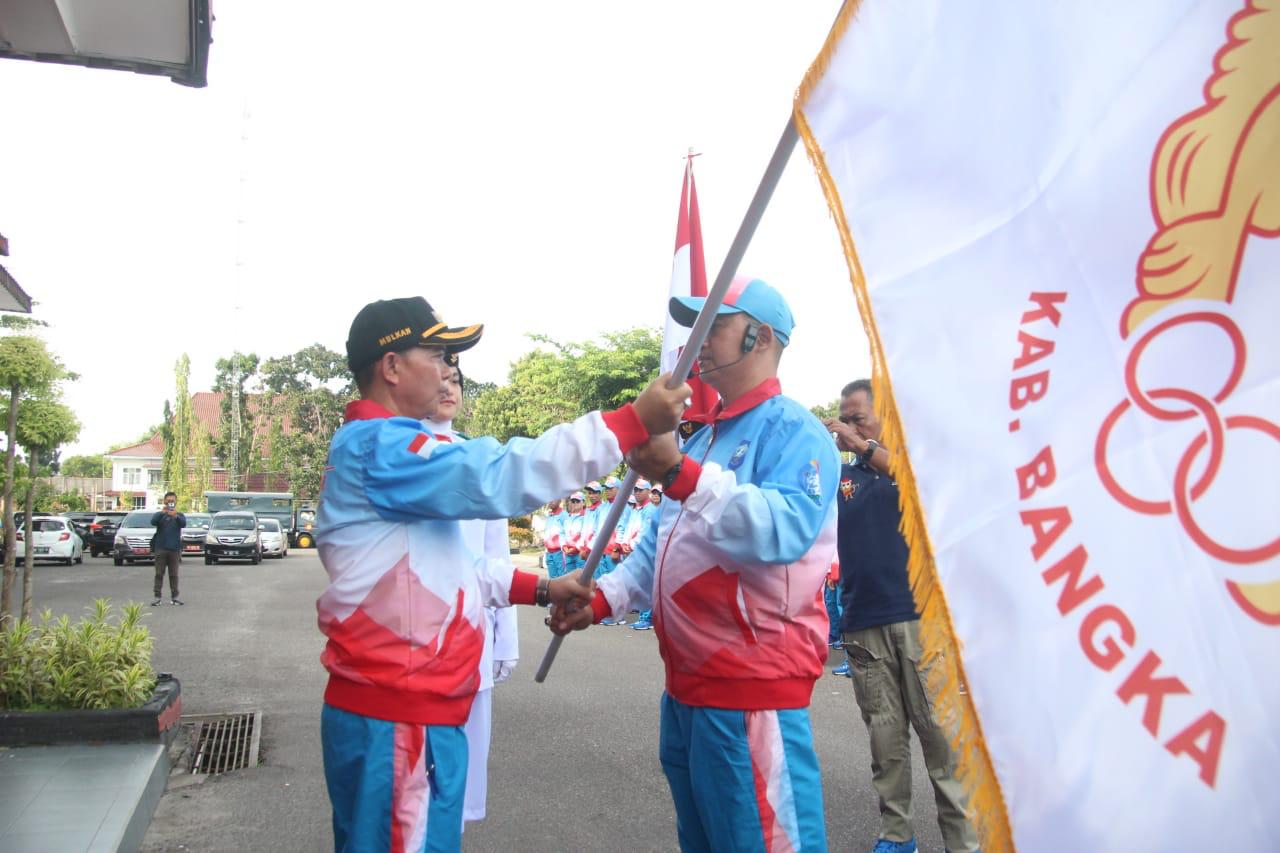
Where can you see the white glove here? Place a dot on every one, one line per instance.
(502, 670)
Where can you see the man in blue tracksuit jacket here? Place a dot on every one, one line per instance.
(732, 570)
(404, 609)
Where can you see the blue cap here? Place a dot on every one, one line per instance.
(749, 295)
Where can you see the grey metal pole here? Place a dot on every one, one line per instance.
(697, 334)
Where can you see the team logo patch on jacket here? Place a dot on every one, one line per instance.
(847, 488)
(812, 482)
(739, 454)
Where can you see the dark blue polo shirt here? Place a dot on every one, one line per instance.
(169, 531)
(873, 554)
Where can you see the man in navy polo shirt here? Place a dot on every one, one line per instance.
(881, 632)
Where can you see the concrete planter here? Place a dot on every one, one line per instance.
(154, 722)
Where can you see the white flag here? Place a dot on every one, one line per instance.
(1062, 223)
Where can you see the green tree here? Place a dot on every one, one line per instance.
(20, 323)
(829, 410)
(562, 381)
(471, 394)
(534, 399)
(201, 465)
(236, 442)
(176, 466)
(43, 426)
(308, 391)
(85, 466)
(27, 370)
(66, 502)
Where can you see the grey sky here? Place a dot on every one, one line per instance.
(517, 164)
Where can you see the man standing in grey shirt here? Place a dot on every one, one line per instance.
(168, 523)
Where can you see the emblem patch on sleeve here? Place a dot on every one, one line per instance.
(812, 483)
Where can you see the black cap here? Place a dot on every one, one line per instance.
(395, 325)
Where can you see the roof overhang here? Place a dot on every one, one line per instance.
(166, 37)
(12, 297)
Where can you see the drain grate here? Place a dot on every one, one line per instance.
(223, 742)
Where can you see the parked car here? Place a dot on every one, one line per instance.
(195, 531)
(20, 517)
(102, 531)
(133, 538)
(273, 539)
(81, 521)
(233, 535)
(19, 523)
(52, 538)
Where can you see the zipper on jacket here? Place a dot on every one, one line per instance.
(657, 584)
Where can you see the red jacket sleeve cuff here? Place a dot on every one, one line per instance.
(686, 480)
(524, 587)
(600, 608)
(626, 425)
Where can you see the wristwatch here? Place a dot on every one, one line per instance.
(864, 457)
(672, 473)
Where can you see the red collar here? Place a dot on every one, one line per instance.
(769, 388)
(365, 410)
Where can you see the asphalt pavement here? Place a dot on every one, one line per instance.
(573, 765)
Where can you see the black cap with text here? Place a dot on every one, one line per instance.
(395, 325)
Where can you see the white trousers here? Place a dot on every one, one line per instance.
(478, 729)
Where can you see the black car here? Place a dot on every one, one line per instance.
(233, 535)
(80, 521)
(102, 531)
(20, 518)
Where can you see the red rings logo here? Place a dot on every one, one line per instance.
(1177, 404)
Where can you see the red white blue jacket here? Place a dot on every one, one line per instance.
(554, 530)
(734, 568)
(404, 607)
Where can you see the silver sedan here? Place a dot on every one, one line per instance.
(274, 542)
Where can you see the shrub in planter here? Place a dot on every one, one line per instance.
(100, 662)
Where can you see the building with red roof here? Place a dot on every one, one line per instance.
(137, 470)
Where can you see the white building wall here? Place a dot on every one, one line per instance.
(133, 474)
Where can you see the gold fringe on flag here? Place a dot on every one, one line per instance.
(946, 678)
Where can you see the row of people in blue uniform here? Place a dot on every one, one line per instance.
(571, 529)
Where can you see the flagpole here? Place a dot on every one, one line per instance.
(697, 334)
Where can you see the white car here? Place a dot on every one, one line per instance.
(53, 538)
(272, 537)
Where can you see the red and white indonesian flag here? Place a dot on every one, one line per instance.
(1063, 225)
(688, 278)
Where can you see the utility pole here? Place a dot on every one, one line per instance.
(235, 435)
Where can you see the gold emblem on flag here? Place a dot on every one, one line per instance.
(1215, 185)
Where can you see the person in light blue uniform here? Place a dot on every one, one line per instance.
(611, 557)
(571, 544)
(649, 514)
(732, 569)
(553, 538)
(618, 550)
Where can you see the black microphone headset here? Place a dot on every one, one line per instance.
(748, 344)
